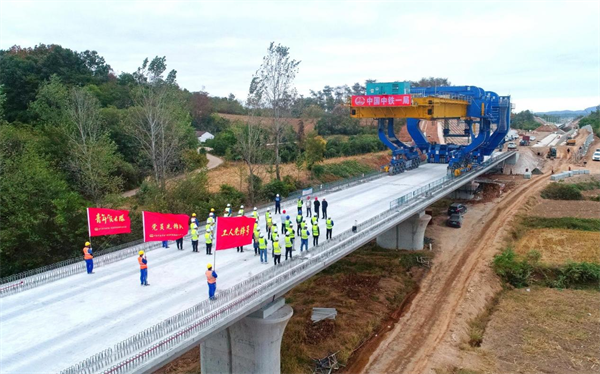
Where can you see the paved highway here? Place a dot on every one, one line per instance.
(51, 327)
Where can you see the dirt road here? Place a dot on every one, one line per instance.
(213, 162)
(434, 312)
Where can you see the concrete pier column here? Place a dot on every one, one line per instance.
(465, 192)
(252, 345)
(409, 234)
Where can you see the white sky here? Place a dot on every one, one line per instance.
(545, 54)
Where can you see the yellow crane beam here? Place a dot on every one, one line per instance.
(422, 108)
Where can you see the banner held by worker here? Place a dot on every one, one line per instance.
(103, 221)
(164, 226)
(234, 232)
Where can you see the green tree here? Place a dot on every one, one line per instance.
(92, 155)
(161, 124)
(273, 84)
(315, 147)
(43, 220)
(24, 70)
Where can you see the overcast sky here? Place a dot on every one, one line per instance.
(545, 54)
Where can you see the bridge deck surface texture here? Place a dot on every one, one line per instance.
(51, 327)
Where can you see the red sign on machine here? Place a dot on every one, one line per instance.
(381, 100)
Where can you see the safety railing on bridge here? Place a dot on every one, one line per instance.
(199, 319)
(582, 151)
(444, 181)
(32, 278)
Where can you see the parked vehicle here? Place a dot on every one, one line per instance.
(512, 146)
(596, 156)
(457, 208)
(455, 220)
(571, 142)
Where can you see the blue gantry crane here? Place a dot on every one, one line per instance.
(485, 115)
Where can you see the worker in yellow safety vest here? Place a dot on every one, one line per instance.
(315, 233)
(329, 227)
(262, 246)
(299, 220)
(276, 253)
(288, 246)
(208, 237)
(304, 238)
(194, 238)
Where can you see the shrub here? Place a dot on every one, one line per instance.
(557, 191)
(273, 188)
(514, 271)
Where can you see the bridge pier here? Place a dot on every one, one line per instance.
(251, 345)
(466, 192)
(408, 234)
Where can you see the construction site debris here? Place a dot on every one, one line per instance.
(327, 365)
(319, 314)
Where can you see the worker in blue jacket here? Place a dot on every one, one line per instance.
(211, 278)
(277, 204)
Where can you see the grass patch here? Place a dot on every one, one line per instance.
(344, 169)
(561, 191)
(570, 223)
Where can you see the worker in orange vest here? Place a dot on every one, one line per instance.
(88, 257)
(211, 278)
(143, 269)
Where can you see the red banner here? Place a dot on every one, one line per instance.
(108, 221)
(164, 226)
(381, 100)
(234, 232)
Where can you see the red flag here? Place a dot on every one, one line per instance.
(164, 226)
(234, 232)
(108, 221)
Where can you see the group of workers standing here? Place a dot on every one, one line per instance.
(260, 239)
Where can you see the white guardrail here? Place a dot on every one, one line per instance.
(194, 323)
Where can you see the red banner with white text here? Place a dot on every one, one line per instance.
(381, 100)
(164, 226)
(103, 221)
(234, 232)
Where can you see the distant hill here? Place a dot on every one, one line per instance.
(569, 113)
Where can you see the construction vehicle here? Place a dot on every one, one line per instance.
(551, 153)
(525, 140)
(484, 115)
(571, 142)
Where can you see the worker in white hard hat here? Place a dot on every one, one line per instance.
(228, 211)
(241, 211)
(262, 247)
(277, 204)
(255, 214)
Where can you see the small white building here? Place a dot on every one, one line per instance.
(204, 136)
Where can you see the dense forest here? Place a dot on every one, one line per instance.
(75, 134)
